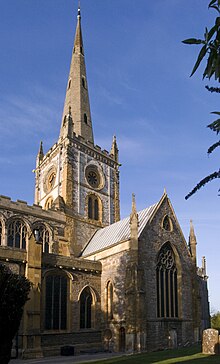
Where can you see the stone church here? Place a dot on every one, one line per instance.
(98, 282)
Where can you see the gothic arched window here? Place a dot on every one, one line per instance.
(93, 208)
(56, 302)
(167, 290)
(167, 223)
(17, 233)
(48, 203)
(44, 237)
(86, 309)
(109, 300)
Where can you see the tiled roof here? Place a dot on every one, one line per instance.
(119, 231)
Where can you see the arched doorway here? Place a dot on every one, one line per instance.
(86, 309)
(122, 339)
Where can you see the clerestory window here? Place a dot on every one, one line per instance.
(44, 237)
(17, 233)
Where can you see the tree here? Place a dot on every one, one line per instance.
(14, 290)
(210, 49)
(215, 320)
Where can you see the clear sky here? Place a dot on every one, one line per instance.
(138, 75)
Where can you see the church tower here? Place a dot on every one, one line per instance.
(76, 175)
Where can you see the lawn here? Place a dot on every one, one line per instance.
(187, 355)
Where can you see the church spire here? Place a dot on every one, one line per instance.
(77, 96)
(192, 242)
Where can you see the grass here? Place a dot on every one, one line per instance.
(190, 355)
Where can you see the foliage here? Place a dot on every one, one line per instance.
(215, 320)
(211, 50)
(14, 293)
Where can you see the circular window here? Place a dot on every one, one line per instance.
(94, 177)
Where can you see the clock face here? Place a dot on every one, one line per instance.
(94, 177)
(50, 179)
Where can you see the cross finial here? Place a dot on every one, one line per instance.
(79, 8)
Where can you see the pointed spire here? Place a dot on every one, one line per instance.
(114, 149)
(204, 266)
(77, 96)
(192, 242)
(40, 154)
(134, 224)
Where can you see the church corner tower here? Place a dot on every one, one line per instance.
(75, 170)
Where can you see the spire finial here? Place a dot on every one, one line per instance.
(79, 13)
(133, 203)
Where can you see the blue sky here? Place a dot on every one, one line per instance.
(138, 75)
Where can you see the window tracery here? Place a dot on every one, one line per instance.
(17, 233)
(44, 237)
(167, 285)
(56, 302)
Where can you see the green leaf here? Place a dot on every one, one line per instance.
(215, 126)
(213, 147)
(201, 55)
(211, 32)
(211, 3)
(215, 112)
(193, 41)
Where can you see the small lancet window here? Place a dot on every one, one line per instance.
(93, 208)
(69, 84)
(167, 223)
(85, 119)
(83, 82)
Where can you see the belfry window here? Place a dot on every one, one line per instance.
(167, 285)
(56, 302)
(93, 208)
(17, 233)
(48, 204)
(85, 119)
(86, 309)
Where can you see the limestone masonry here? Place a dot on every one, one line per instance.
(98, 282)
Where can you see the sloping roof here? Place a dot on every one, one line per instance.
(117, 232)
